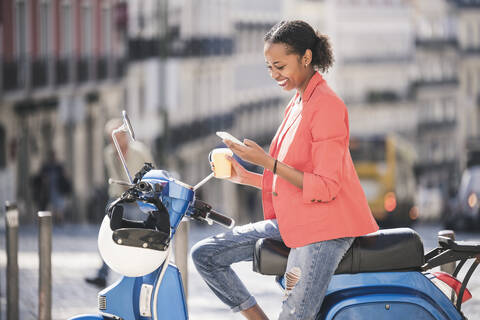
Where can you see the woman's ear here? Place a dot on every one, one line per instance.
(307, 57)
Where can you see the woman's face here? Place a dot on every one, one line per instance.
(288, 69)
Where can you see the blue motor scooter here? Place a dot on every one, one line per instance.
(384, 275)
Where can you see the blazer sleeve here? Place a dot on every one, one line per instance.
(329, 130)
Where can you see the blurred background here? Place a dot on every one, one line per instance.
(408, 71)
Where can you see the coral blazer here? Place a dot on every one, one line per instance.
(332, 203)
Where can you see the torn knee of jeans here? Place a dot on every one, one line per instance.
(291, 279)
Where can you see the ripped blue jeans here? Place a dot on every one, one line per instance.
(314, 265)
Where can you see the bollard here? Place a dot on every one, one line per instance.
(448, 267)
(45, 259)
(181, 252)
(11, 218)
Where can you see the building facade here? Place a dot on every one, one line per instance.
(62, 63)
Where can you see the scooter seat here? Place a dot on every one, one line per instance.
(399, 249)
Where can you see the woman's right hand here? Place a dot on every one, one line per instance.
(239, 174)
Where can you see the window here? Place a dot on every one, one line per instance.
(66, 48)
(44, 27)
(107, 30)
(21, 29)
(3, 148)
(87, 29)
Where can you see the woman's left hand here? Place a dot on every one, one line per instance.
(252, 152)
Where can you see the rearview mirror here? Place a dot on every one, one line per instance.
(127, 125)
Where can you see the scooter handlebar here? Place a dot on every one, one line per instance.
(202, 211)
(220, 219)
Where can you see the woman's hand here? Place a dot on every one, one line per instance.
(251, 152)
(240, 175)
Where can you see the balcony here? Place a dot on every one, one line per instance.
(140, 49)
(436, 43)
(470, 51)
(466, 3)
(430, 83)
(83, 69)
(119, 66)
(197, 47)
(20, 75)
(425, 125)
(102, 68)
(62, 71)
(10, 75)
(382, 96)
(40, 73)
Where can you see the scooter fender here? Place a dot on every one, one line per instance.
(87, 317)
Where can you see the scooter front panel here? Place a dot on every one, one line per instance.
(171, 304)
(120, 299)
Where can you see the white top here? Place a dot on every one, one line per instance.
(291, 117)
(288, 132)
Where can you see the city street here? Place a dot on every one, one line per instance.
(75, 257)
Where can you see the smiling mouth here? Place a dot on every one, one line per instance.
(282, 83)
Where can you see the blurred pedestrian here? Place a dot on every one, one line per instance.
(136, 155)
(52, 188)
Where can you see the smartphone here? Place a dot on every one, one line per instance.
(227, 136)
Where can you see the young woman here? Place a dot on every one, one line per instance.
(311, 194)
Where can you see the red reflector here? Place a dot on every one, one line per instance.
(453, 283)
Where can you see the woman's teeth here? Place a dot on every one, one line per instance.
(282, 83)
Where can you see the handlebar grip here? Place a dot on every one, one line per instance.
(221, 219)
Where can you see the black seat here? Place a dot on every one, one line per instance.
(399, 249)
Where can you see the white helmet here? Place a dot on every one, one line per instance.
(126, 260)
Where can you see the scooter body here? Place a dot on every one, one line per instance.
(383, 276)
(159, 295)
(385, 296)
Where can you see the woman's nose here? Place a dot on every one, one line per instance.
(274, 74)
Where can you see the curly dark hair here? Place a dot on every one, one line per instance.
(300, 36)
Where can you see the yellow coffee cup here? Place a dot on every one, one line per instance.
(222, 167)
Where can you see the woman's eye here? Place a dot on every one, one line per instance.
(280, 68)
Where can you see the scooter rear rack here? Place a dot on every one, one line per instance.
(452, 251)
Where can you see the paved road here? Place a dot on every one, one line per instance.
(75, 257)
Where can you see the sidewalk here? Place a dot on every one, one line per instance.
(74, 257)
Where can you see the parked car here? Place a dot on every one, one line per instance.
(465, 213)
